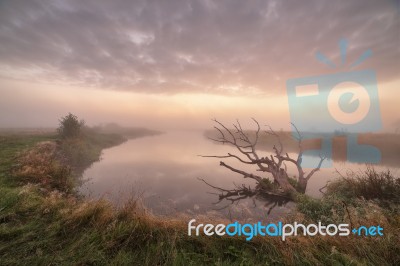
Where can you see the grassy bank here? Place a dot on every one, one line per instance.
(44, 223)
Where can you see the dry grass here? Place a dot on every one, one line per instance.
(54, 228)
(45, 165)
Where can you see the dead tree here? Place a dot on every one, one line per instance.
(274, 165)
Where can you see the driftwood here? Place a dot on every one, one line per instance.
(274, 165)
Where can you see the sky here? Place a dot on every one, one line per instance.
(178, 64)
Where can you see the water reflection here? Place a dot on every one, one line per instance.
(164, 170)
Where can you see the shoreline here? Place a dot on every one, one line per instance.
(51, 227)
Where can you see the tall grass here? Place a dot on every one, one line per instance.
(369, 184)
(44, 165)
(55, 229)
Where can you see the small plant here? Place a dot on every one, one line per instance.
(70, 126)
(370, 185)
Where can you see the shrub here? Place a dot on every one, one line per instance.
(370, 185)
(357, 197)
(70, 126)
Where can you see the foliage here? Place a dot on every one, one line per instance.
(370, 185)
(70, 126)
(355, 195)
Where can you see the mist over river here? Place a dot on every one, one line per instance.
(163, 171)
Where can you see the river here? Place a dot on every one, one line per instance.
(162, 171)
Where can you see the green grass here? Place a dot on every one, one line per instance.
(48, 227)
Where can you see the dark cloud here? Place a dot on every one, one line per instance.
(191, 46)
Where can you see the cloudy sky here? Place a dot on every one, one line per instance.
(177, 63)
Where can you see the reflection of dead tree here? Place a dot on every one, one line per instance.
(274, 164)
(243, 192)
(232, 195)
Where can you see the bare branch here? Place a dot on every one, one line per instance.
(299, 141)
(273, 133)
(247, 149)
(255, 177)
(274, 164)
(228, 156)
(243, 192)
(257, 132)
(315, 169)
(227, 130)
(208, 184)
(232, 195)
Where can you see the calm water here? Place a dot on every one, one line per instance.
(163, 172)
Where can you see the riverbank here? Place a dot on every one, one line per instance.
(44, 222)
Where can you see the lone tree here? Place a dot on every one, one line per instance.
(274, 165)
(70, 126)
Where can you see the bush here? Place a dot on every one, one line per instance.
(70, 126)
(370, 185)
